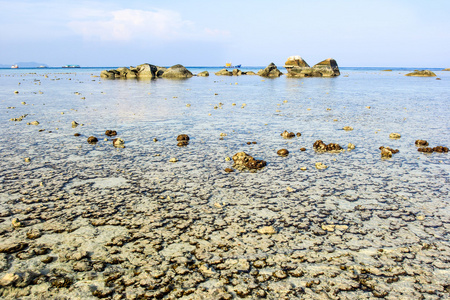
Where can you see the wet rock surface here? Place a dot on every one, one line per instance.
(85, 222)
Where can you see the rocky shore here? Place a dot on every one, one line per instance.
(201, 203)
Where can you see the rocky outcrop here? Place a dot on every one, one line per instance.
(203, 74)
(147, 71)
(297, 67)
(422, 73)
(270, 71)
(177, 71)
(223, 72)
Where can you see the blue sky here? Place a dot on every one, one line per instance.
(402, 33)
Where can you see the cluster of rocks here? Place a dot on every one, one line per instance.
(320, 146)
(422, 144)
(243, 161)
(117, 142)
(298, 67)
(387, 152)
(235, 72)
(149, 71)
(289, 135)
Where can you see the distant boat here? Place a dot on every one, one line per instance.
(14, 67)
(230, 65)
(71, 66)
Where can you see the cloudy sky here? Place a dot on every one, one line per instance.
(401, 33)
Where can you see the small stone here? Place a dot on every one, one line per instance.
(266, 230)
(155, 139)
(302, 149)
(420, 218)
(119, 143)
(348, 128)
(350, 146)
(421, 143)
(289, 189)
(16, 223)
(27, 159)
(188, 105)
(77, 134)
(394, 135)
(16, 92)
(287, 135)
(299, 134)
(92, 140)
(173, 160)
(183, 137)
(229, 170)
(74, 124)
(280, 274)
(33, 123)
(385, 152)
(303, 168)
(283, 152)
(320, 166)
(329, 227)
(227, 158)
(110, 132)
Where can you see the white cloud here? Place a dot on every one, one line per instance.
(134, 25)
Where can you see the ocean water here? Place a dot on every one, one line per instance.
(243, 109)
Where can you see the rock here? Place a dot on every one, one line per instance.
(146, 71)
(425, 150)
(92, 140)
(299, 68)
(228, 170)
(321, 166)
(283, 152)
(250, 73)
(446, 69)
(266, 230)
(173, 160)
(110, 132)
(244, 161)
(33, 123)
(224, 72)
(203, 74)
(303, 168)
(295, 61)
(12, 247)
(77, 134)
(177, 71)
(303, 149)
(16, 222)
(270, 71)
(9, 279)
(387, 152)
(27, 159)
(74, 124)
(287, 135)
(440, 149)
(395, 135)
(350, 146)
(420, 143)
(183, 137)
(320, 146)
(119, 143)
(348, 128)
(237, 72)
(422, 73)
(107, 74)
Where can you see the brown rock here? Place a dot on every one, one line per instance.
(92, 140)
(422, 73)
(229, 170)
(283, 152)
(440, 149)
(421, 143)
(111, 132)
(287, 135)
(425, 149)
(12, 247)
(183, 137)
(77, 134)
(302, 149)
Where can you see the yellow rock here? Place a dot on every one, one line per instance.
(320, 166)
(329, 228)
(173, 160)
(217, 205)
(266, 230)
(289, 189)
(420, 218)
(303, 168)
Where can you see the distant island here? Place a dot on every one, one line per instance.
(29, 64)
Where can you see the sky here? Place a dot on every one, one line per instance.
(357, 33)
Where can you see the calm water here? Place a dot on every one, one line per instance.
(318, 108)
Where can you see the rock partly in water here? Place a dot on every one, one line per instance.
(119, 143)
(320, 146)
(183, 140)
(92, 140)
(177, 71)
(422, 73)
(224, 72)
(243, 161)
(287, 135)
(203, 74)
(387, 152)
(421, 143)
(395, 135)
(299, 68)
(283, 152)
(110, 132)
(320, 166)
(270, 71)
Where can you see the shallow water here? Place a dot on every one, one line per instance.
(356, 188)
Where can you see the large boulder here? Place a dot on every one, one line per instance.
(295, 61)
(146, 71)
(108, 74)
(177, 71)
(423, 73)
(224, 72)
(328, 68)
(297, 67)
(160, 71)
(270, 71)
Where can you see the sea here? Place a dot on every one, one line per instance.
(225, 115)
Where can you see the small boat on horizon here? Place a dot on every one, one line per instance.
(71, 66)
(14, 67)
(230, 65)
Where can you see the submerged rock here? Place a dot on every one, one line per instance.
(422, 73)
